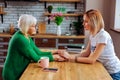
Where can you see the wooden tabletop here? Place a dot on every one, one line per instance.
(67, 71)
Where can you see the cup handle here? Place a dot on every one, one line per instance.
(39, 63)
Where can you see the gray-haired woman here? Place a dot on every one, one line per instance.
(22, 49)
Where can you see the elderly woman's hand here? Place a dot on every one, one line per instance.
(54, 51)
(59, 58)
(64, 53)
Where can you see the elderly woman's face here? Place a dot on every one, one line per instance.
(32, 30)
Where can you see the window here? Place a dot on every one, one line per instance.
(117, 15)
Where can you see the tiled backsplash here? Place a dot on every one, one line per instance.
(15, 9)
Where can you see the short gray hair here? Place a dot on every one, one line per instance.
(25, 21)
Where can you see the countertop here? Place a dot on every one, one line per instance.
(46, 36)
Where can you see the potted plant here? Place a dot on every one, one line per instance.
(50, 7)
(78, 26)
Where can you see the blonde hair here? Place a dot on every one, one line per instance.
(25, 21)
(95, 20)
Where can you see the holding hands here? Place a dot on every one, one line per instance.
(61, 55)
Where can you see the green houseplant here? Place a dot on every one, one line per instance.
(50, 7)
(78, 26)
(58, 18)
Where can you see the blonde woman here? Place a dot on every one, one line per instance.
(22, 49)
(100, 46)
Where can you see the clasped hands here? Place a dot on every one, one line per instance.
(61, 55)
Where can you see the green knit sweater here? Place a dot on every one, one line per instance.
(20, 53)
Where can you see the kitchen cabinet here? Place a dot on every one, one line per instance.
(1, 73)
(56, 43)
(3, 52)
(45, 42)
(3, 49)
(63, 43)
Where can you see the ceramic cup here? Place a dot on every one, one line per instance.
(44, 62)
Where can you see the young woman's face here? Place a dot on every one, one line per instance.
(85, 23)
(32, 30)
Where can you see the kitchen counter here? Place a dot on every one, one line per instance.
(55, 36)
(47, 40)
(5, 35)
(47, 36)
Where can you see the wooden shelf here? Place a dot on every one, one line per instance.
(60, 0)
(71, 1)
(3, 12)
(65, 14)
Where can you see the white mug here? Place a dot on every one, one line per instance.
(44, 62)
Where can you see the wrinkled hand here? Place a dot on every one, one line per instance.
(59, 58)
(54, 51)
(64, 54)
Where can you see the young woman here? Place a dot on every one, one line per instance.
(22, 49)
(100, 46)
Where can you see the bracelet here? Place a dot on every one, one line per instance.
(76, 58)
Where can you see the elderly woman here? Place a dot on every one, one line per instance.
(22, 49)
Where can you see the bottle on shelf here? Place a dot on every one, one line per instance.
(1, 9)
(71, 29)
(12, 28)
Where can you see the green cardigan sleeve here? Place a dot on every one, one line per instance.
(41, 53)
(27, 49)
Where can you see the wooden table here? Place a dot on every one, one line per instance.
(67, 71)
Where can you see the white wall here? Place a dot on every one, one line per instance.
(103, 6)
(112, 17)
(94, 4)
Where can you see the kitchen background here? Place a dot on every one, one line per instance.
(107, 8)
(15, 8)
